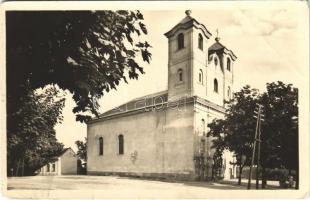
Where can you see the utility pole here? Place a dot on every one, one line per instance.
(261, 118)
(256, 139)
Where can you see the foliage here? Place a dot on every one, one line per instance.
(32, 141)
(280, 129)
(279, 146)
(85, 52)
(82, 149)
(236, 131)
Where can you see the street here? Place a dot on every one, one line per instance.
(112, 186)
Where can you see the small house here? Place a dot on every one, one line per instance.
(64, 164)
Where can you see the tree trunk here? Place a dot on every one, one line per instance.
(264, 179)
(297, 179)
(240, 173)
(23, 169)
(17, 169)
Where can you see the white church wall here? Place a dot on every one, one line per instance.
(154, 142)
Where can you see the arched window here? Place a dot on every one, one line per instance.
(228, 64)
(101, 146)
(203, 124)
(216, 87)
(200, 41)
(181, 41)
(215, 61)
(228, 92)
(200, 76)
(180, 74)
(120, 144)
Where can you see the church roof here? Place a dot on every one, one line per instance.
(220, 48)
(186, 19)
(216, 46)
(188, 22)
(138, 103)
(148, 103)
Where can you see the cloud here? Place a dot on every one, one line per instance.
(263, 22)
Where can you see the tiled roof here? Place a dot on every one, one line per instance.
(186, 19)
(141, 102)
(220, 48)
(186, 23)
(216, 46)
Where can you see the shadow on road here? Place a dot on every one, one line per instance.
(222, 184)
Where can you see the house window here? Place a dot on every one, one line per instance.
(200, 41)
(216, 85)
(101, 146)
(200, 76)
(120, 144)
(53, 167)
(181, 41)
(180, 74)
(48, 167)
(228, 64)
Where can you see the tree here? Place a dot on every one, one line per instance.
(280, 129)
(279, 145)
(32, 141)
(87, 53)
(236, 131)
(82, 149)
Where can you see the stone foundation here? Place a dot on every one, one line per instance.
(161, 176)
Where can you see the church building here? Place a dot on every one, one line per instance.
(165, 134)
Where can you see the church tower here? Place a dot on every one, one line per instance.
(193, 68)
(220, 73)
(187, 59)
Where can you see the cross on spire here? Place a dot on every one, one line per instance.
(217, 35)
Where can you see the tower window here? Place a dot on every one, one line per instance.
(203, 124)
(181, 41)
(215, 61)
(216, 85)
(210, 58)
(120, 144)
(200, 41)
(180, 74)
(101, 146)
(228, 64)
(200, 76)
(228, 92)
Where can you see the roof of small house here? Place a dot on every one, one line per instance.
(63, 152)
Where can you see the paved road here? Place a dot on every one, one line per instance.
(111, 186)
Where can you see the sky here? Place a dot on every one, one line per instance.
(268, 43)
